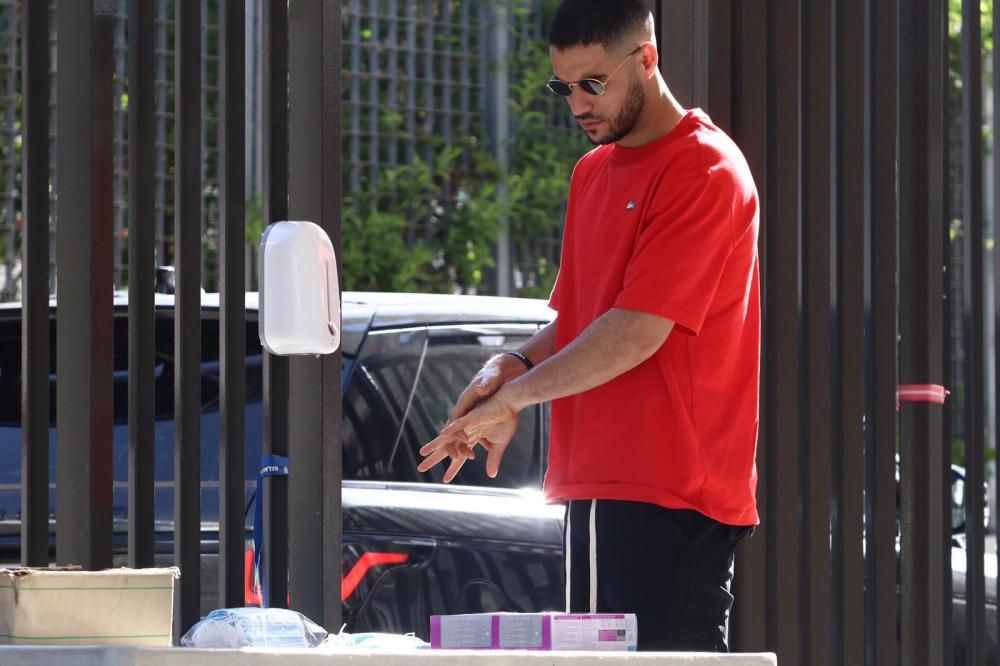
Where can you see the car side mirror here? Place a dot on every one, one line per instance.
(299, 307)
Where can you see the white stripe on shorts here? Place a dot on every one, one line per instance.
(567, 555)
(593, 556)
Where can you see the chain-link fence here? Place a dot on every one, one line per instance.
(419, 78)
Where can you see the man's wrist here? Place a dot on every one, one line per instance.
(512, 395)
(510, 366)
(522, 358)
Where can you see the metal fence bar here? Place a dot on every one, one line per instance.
(782, 358)
(951, 308)
(975, 380)
(719, 86)
(750, 130)
(374, 76)
(187, 320)
(497, 94)
(274, 70)
(232, 312)
(881, 492)
(465, 90)
(120, 143)
(355, 13)
(163, 255)
(314, 415)
(392, 142)
(921, 214)
(8, 226)
(996, 275)
(676, 47)
(305, 185)
(203, 129)
(35, 288)
(84, 404)
(331, 220)
(53, 121)
(142, 276)
(411, 79)
(819, 207)
(428, 125)
(447, 79)
(853, 210)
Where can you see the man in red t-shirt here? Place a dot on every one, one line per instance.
(652, 364)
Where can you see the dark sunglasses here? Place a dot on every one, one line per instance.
(589, 86)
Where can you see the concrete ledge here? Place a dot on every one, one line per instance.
(137, 656)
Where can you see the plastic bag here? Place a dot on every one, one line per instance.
(374, 641)
(254, 627)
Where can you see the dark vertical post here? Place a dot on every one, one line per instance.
(35, 290)
(141, 281)
(921, 213)
(677, 44)
(314, 421)
(701, 52)
(274, 69)
(996, 266)
(187, 321)
(163, 251)
(84, 405)
(853, 212)
(330, 436)
(881, 495)
(972, 244)
(232, 328)
(750, 130)
(947, 352)
(782, 369)
(820, 209)
(719, 65)
(949, 303)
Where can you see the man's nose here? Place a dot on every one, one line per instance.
(579, 103)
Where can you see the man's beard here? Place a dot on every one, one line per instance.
(623, 124)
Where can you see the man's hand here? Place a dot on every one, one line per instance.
(498, 371)
(491, 425)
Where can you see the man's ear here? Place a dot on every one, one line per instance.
(650, 59)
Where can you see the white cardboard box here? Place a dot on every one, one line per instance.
(607, 632)
(64, 607)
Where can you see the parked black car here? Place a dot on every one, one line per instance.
(412, 546)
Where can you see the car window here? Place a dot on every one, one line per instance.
(376, 400)
(164, 427)
(10, 372)
(383, 391)
(454, 355)
(10, 414)
(163, 433)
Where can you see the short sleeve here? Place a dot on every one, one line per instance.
(554, 296)
(681, 251)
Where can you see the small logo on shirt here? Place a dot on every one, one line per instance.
(630, 205)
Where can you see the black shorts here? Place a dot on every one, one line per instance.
(670, 567)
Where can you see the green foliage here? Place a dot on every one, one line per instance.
(404, 234)
(254, 215)
(433, 227)
(542, 161)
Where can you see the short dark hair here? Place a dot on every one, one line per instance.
(603, 22)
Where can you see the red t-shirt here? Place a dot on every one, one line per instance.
(669, 228)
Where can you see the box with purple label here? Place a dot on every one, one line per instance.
(606, 632)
